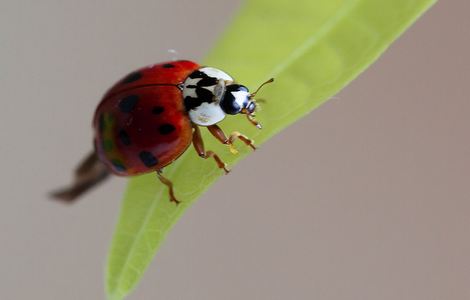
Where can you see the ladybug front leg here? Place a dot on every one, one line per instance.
(199, 146)
(218, 133)
(169, 184)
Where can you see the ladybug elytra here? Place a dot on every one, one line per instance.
(151, 116)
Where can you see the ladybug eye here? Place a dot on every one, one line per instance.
(251, 107)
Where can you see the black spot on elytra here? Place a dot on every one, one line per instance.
(148, 159)
(168, 66)
(124, 137)
(166, 129)
(132, 77)
(128, 103)
(156, 110)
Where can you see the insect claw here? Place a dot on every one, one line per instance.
(177, 202)
(232, 149)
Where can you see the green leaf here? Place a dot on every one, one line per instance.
(313, 49)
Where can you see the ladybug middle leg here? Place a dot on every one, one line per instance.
(199, 146)
(218, 133)
(169, 184)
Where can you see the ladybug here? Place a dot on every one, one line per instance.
(150, 117)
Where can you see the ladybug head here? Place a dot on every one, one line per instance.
(237, 99)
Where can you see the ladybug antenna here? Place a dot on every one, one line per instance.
(259, 88)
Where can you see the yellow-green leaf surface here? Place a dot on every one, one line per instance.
(313, 48)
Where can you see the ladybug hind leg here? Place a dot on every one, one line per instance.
(89, 173)
(198, 144)
(169, 184)
(219, 134)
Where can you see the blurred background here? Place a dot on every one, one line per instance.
(379, 212)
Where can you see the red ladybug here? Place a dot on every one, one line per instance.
(151, 116)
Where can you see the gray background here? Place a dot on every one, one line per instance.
(380, 211)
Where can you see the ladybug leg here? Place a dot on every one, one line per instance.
(86, 165)
(199, 146)
(218, 133)
(89, 173)
(169, 184)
